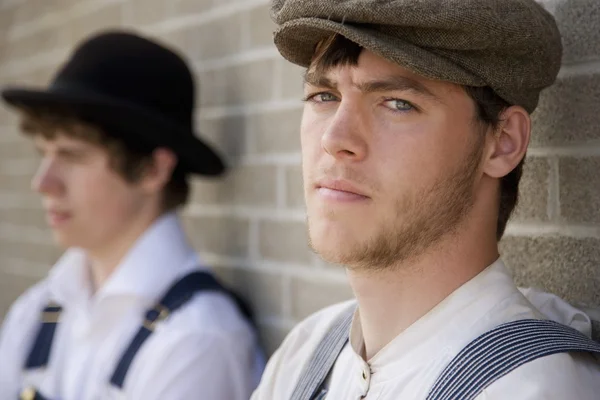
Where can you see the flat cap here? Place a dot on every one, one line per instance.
(512, 46)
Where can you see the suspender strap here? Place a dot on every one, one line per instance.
(40, 352)
(177, 295)
(322, 360)
(503, 349)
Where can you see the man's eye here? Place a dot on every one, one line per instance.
(398, 105)
(323, 97)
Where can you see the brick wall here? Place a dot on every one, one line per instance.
(251, 225)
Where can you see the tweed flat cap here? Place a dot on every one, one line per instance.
(513, 46)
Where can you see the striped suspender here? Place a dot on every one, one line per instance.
(309, 387)
(485, 360)
(503, 349)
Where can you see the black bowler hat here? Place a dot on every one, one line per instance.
(135, 89)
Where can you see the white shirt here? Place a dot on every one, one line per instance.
(204, 350)
(408, 366)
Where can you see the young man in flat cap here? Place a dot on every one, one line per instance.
(416, 124)
(129, 311)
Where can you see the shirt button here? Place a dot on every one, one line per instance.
(364, 375)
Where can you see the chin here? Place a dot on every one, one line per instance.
(332, 244)
(64, 240)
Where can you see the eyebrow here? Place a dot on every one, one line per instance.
(390, 84)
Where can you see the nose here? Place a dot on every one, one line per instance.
(344, 136)
(47, 179)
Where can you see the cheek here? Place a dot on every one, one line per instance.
(106, 197)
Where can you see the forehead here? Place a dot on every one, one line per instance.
(372, 67)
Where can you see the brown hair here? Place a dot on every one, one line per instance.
(130, 163)
(337, 50)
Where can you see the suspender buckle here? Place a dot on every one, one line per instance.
(51, 315)
(28, 394)
(157, 314)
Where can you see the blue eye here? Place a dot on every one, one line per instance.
(398, 105)
(322, 97)
(326, 97)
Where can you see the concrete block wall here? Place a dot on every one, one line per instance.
(250, 226)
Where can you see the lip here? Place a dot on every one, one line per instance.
(340, 190)
(56, 218)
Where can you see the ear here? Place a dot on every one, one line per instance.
(158, 173)
(509, 143)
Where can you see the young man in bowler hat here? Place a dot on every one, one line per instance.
(129, 311)
(415, 127)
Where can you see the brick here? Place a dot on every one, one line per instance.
(7, 19)
(249, 186)
(565, 266)
(41, 42)
(294, 187)
(580, 189)
(186, 7)
(45, 254)
(291, 80)
(229, 135)
(42, 77)
(224, 236)
(263, 291)
(243, 84)
(23, 217)
(271, 337)
(28, 11)
(277, 132)
(107, 17)
(284, 241)
(578, 21)
(8, 117)
(11, 287)
(142, 12)
(261, 27)
(311, 296)
(15, 183)
(19, 148)
(568, 112)
(216, 39)
(533, 197)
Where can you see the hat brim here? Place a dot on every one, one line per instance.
(296, 40)
(140, 125)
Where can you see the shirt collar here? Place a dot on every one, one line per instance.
(159, 256)
(469, 302)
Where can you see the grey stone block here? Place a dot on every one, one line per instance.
(311, 296)
(568, 112)
(568, 267)
(223, 236)
(580, 190)
(533, 198)
(284, 241)
(578, 21)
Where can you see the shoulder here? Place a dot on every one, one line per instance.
(26, 309)
(207, 323)
(308, 333)
(284, 367)
(559, 376)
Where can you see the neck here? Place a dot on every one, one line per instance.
(393, 299)
(105, 258)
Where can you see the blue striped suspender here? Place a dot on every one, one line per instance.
(312, 379)
(176, 296)
(500, 351)
(486, 359)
